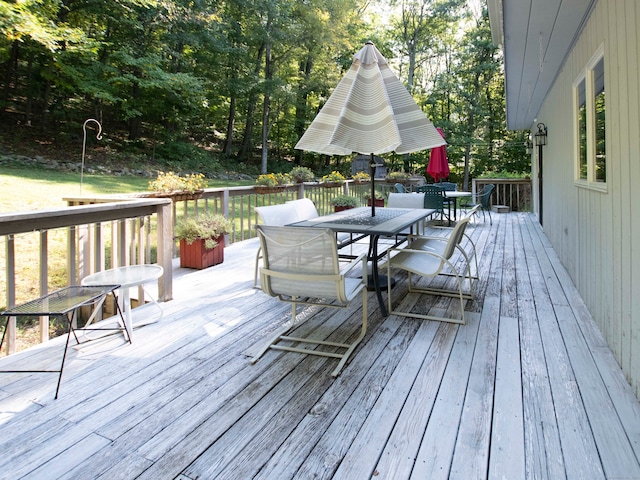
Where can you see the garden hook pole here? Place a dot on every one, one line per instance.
(84, 144)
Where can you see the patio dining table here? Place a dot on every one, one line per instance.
(388, 222)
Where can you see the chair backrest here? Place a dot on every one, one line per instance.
(400, 188)
(433, 196)
(405, 200)
(456, 237)
(300, 261)
(448, 186)
(485, 197)
(305, 209)
(280, 214)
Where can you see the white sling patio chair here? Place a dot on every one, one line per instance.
(300, 266)
(405, 200)
(306, 210)
(427, 256)
(277, 215)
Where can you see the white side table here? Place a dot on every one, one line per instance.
(455, 194)
(127, 277)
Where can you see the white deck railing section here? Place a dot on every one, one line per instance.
(513, 193)
(108, 231)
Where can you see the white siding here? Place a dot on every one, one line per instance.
(597, 234)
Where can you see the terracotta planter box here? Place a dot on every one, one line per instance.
(198, 256)
(379, 202)
(339, 208)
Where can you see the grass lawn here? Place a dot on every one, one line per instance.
(19, 184)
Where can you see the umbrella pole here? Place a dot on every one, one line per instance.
(372, 173)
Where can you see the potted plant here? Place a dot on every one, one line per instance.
(343, 202)
(176, 187)
(333, 179)
(201, 240)
(398, 177)
(379, 198)
(272, 182)
(302, 174)
(361, 177)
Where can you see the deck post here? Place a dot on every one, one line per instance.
(165, 251)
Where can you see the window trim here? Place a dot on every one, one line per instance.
(587, 75)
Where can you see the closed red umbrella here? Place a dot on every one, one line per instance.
(438, 166)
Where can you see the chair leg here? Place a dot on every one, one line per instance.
(255, 273)
(272, 342)
(460, 295)
(356, 342)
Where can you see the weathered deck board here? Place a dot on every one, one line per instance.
(527, 389)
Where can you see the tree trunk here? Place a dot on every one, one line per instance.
(471, 123)
(301, 103)
(268, 75)
(243, 154)
(11, 67)
(228, 142)
(135, 123)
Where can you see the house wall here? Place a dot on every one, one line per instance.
(597, 234)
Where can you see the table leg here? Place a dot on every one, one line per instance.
(373, 249)
(64, 355)
(124, 304)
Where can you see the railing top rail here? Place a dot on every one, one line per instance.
(502, 180)
(21, 222)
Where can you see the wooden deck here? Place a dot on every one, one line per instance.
(527, 389)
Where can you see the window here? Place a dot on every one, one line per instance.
(589, 91)
(600, 151)
(582, 129)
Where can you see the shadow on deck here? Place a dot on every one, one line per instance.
(527, 389)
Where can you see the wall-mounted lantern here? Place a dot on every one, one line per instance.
(529, 145)
(541, 134)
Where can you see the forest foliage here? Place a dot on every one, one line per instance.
(193, 84)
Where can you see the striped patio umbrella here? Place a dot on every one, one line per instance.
(370, 112)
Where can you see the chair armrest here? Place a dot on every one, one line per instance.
(413, 238)
(360, 259)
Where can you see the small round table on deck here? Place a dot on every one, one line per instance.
(127, 277)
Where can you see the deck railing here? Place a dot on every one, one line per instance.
(120, 228)
(238, 203)
(59, 247)
(100, 232)
(513, 193)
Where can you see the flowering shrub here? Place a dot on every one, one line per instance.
(344, 201)
(378, 195)
(273, 179)
(283, 178)
(204, 226)
(333, 177)
(302, 174)
(361, 177)
(267, 180)
(170, 182)
(398, 175)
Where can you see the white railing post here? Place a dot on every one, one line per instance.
(44, 283)
(10, 334)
